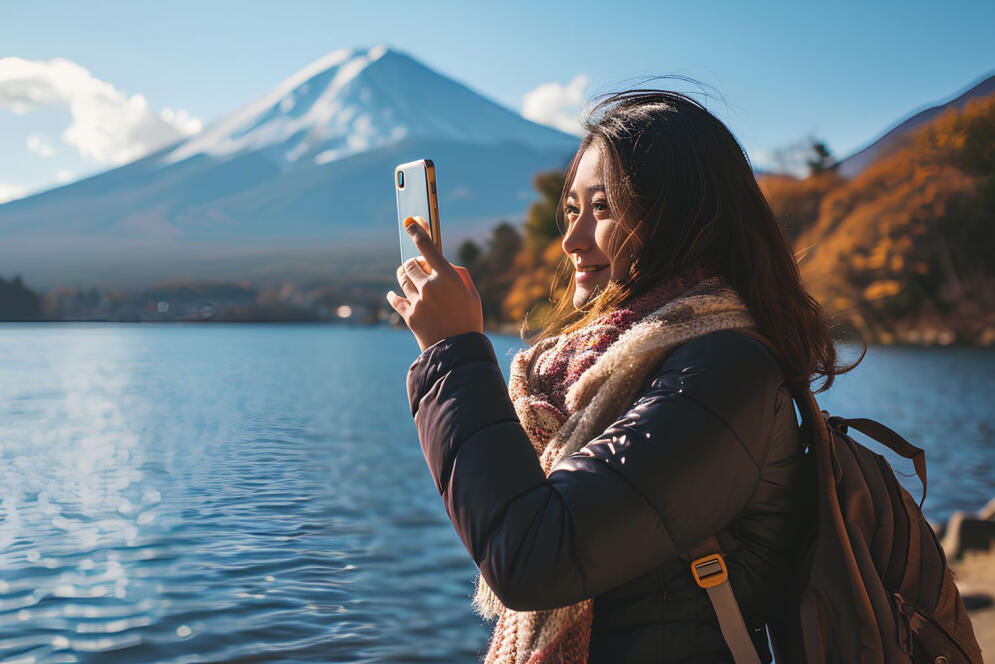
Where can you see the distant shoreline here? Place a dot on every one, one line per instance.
(507, 329)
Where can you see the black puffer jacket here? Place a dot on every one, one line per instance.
(711, 446)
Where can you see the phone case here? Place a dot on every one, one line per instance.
(417, 197)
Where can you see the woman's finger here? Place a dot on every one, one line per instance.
(398, 304)
(415, 272)
(407, 285)
(425, 245)
(467, 280)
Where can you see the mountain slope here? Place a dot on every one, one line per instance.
(308, 165)
(895, 138)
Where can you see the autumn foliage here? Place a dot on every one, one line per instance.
(905, 249)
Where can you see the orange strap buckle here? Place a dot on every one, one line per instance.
(709, 571)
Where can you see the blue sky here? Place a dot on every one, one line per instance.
(843, 71)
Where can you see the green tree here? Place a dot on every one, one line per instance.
(504, 244)
(540, 223)
(17, 301)
(820, 158)
(494, 270)
(468, 254)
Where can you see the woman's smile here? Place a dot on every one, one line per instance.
(587, 273)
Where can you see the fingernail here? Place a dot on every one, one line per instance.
(412, 228)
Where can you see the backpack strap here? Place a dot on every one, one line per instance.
(891, 440)
(709, 570)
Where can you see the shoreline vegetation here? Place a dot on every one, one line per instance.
(902, 251)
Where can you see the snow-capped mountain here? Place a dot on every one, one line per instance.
(353, 101)
(307, 167)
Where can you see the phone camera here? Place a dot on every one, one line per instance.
(400, 179)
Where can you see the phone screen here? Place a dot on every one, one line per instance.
(413, 183)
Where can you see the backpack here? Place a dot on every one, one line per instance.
(872, 582)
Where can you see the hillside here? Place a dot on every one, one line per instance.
(905, 249)
(894, 138)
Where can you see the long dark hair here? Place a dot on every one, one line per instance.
(681, 186)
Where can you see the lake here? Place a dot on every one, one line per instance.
(251, 493)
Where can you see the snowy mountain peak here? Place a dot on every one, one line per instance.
(377, 51)
(350, 101)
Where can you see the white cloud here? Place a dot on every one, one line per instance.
(40, 146)
(64, 175)
(108, 126)
(557, 105)
(10, 192)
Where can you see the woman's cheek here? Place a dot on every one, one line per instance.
(603, 237)
(606, 243)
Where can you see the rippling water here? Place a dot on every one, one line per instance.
(256, 493)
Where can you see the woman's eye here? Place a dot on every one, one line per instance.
(597, 205)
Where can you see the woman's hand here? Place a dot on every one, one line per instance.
(440, 302)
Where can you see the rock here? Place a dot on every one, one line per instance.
(965, 532)
(976, 601)
(988, 511)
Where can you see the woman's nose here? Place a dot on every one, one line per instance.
(578, 236)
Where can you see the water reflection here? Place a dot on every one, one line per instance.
(196, 494)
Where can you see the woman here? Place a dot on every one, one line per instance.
(639, 423)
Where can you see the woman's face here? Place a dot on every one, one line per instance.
(590, 229)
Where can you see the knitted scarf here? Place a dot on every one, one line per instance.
(567, 389)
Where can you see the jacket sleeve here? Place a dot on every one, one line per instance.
(674, 469)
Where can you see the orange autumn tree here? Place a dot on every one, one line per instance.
(535, 266)
(796, 201)
(904, 249)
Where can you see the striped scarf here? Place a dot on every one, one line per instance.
(567, 389)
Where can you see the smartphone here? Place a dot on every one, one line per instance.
(414, 184)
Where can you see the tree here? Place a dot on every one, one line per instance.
(494, 269)
(540, 223)
(468, 254)
(807, 156)
(820, 158)
(503, 246)
(18, 302)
